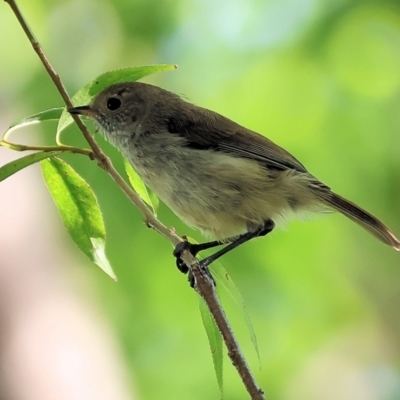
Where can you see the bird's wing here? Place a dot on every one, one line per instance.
(205, 129)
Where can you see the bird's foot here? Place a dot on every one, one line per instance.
(193, 249)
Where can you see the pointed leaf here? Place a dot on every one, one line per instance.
(23, 162)
(85, 95)
(214, 340)
(79, 210)
(154, 201)
(140, 188)
(224, 279)
(131, 74)
(47, 115)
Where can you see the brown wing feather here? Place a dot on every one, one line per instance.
(205, 129)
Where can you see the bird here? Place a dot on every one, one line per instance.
(230, 182)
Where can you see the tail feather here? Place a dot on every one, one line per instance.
(363, 218)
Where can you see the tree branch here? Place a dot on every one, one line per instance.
(204, 285)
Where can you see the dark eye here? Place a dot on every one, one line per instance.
(113, 103)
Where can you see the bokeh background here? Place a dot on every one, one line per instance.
(320, 78)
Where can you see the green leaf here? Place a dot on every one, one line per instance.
(48, 115)
(224, 280)
(214, 340)
(23, 162)
(85, 95)
(79, 210)
(154, 201)
(140, 188)
(131, 74)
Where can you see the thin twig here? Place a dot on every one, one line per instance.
(206, 289)
(204, 286)
(103, 160)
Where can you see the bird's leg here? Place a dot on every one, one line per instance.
(196, 248)
(264, 230)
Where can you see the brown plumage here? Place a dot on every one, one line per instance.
(213, 173)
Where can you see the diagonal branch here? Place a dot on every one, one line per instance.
(204, 286)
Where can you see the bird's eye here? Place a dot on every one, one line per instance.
(113, 103)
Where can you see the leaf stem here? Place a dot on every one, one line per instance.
(62, 147)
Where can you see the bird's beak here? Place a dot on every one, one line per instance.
(82, 110)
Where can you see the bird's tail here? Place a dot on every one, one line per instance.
(361, 217)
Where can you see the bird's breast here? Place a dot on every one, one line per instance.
(219, 193)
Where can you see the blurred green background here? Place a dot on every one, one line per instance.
(320, 78)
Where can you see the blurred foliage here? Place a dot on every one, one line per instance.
(320, 78)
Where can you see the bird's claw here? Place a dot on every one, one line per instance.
(181, 265)
(179, 249)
